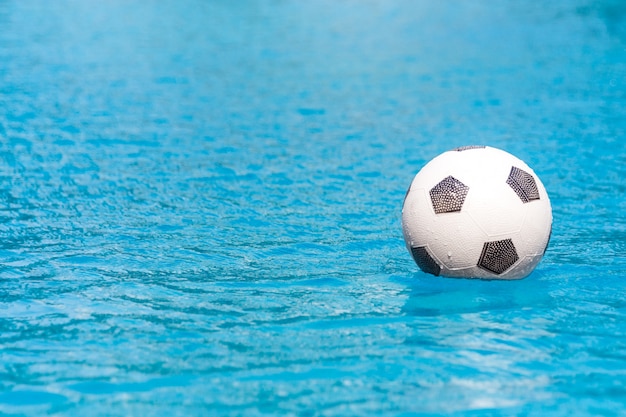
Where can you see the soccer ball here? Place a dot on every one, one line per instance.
(477, 212)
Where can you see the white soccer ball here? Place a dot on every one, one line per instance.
(477, 212)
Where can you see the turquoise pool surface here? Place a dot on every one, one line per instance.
(200, 207)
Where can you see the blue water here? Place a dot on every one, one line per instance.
(200, 207)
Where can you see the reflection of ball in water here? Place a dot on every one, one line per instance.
(477, 212)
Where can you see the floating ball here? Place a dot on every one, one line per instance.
(477, 212)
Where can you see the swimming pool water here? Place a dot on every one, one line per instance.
(200, 207)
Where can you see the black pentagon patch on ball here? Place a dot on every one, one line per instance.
(498, 256)
(548, 242)
(468, 147)
(523, 184)
(406, 195)
(448, 196)
(425, 262)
